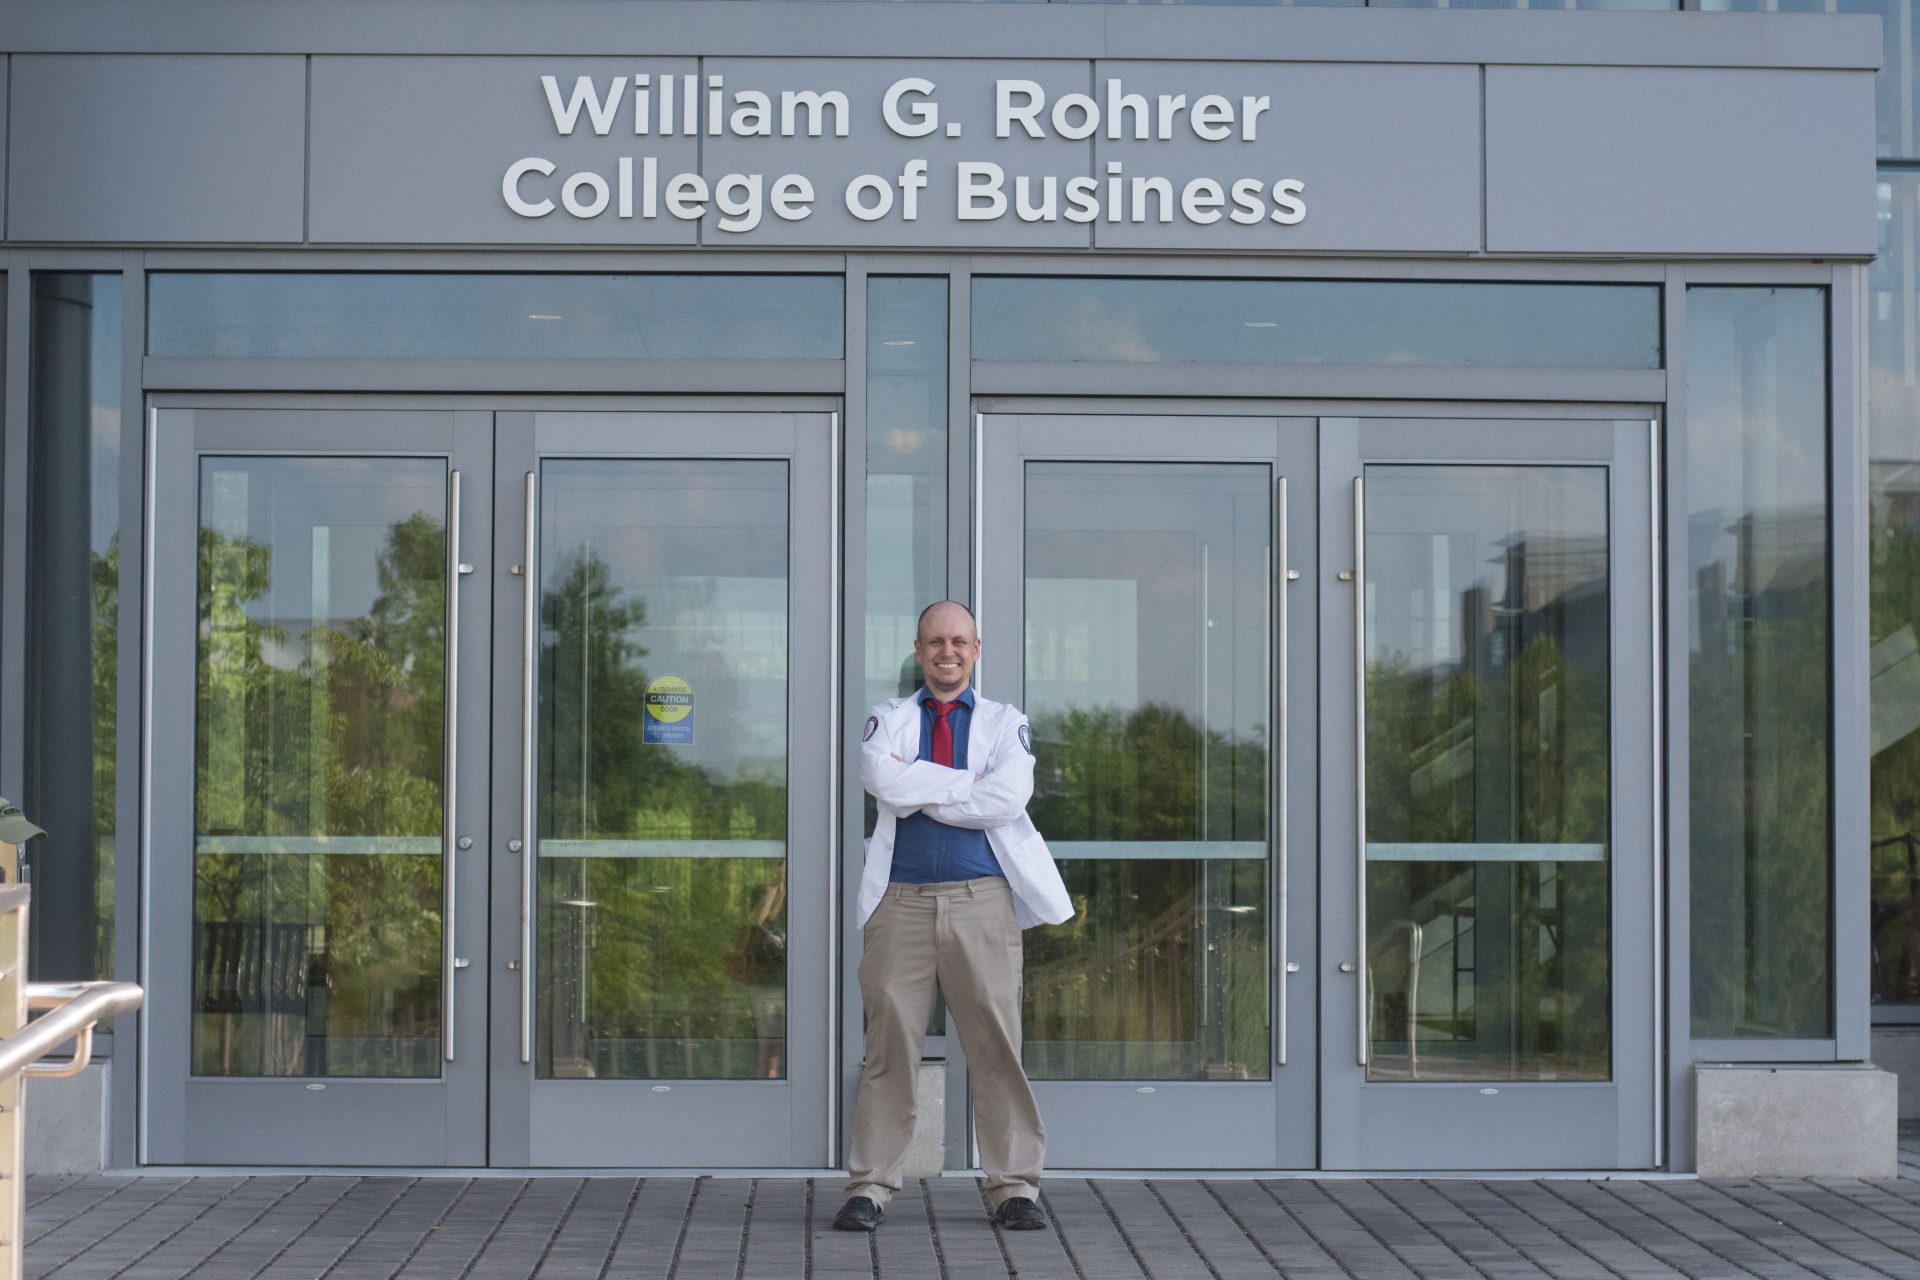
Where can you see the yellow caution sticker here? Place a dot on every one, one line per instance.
(669, 719)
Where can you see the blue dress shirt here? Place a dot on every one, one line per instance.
(930, 852)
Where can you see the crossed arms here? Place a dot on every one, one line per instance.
(957, 797)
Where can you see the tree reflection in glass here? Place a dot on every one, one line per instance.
(1487, 805)
(662, 919)
(318, 749)
(1147, 686)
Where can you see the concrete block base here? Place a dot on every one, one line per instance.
(67, 1122)
(1897, 1049)
(1795, 1121)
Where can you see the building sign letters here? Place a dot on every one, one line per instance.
(987, 188)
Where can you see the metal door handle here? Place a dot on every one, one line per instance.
(449, 814)
(524, 844)
(1360, 755)
(1284, 575)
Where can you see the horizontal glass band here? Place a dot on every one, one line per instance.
(1167, 850)
(1436, 323)
(413, 845)
(690, 848)
(1419, 851)
(384, 315)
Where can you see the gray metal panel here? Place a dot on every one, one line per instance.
(1438, 1125)
(950, 30)
(6, 66)
(156, 148)
(964, 93)
(1647, 160)
(1374, 144)
(413, 150)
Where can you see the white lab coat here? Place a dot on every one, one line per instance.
(994, 802)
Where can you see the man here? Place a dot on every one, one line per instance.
(954, 871)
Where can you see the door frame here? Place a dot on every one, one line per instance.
(1648, 1020)
(1392, 1125)
(545, 1123)
(1123, 1118)
(475, 445)
(353, 1120)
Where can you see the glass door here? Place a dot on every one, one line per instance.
(1488, 823)
(665, 727)
(1135, 602)
(313, 891)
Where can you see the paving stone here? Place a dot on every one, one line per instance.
(118, 1227)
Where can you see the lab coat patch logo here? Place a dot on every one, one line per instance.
(1026, 739)
(669, 718)
(873, 726)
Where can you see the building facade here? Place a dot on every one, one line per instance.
(469, 468)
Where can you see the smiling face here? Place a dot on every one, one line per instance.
(947, 647)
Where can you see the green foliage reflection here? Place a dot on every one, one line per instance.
(652, 967)
(318, 963)
(1162, 972)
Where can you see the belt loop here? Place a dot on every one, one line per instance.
(973, 888)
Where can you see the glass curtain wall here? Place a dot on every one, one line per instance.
(906, 472)
(1759, 676)
(1893, 513)
(906, 484)
(73, 584)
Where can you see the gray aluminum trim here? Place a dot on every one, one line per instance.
(449, 809)
(321, 845)
(1746, 1052)
(529, 573)
(1852, 694)
(146, 773)
(1317, 381)
(1466, 851)
(834, 765)
(1360, 756)
(681, 27)
(452, 374)
(1277, 584)
(1162, 850)
(979, 529)
(1656, 552)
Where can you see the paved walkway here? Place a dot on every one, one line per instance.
(363, 1228)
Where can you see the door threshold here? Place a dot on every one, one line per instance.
(1163, 1175)
(1371, 1175)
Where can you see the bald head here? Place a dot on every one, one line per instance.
(947, 646)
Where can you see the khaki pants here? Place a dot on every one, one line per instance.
(962, 938)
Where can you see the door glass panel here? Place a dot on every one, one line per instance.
(662, 770)
(319, 766)
(1487, 784)
(1147, 684)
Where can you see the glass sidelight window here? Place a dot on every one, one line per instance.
(319, 767)
(662, 770)
(1760, 670)
(1487, 646)
(1147, 684)
(71, 677)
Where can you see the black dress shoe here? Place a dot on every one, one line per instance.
(1017, 1213)
(858, 1214)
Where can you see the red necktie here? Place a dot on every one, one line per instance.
(942, 733)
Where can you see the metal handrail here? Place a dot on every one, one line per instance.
(72, 1009)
